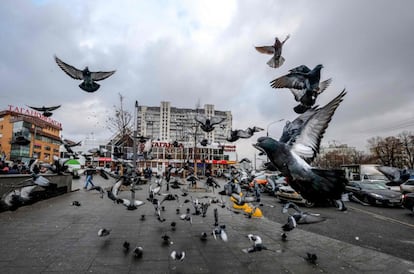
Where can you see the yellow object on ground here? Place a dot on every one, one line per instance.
(247, 208)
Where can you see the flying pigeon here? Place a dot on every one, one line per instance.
(304, 84)
(277, 60)
(207, 124)
(103, 232)
(240, 133)
(177, 255)
(138, 251)
(99, 189)
(88, 77)
(68, 145)
(300, 216)
(396, 176)
(290, 157)
(17, 197)
(46, 111)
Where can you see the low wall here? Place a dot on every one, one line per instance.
(59, 184)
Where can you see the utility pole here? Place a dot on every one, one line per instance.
(134, 156)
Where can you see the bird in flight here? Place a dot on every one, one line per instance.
(276, 50)
(46, 111)
(88, 77)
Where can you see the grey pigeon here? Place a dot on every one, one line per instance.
(304, 84)
(203, 236)
(88, 77)
(99, 189)
(46, 111)
(257, 244)
(138, 252)
(69, 144)
(235, 135)
(300, 216)
(207, 124)
(76, 203)
(166, 240)
(396, 175)
(103, 232)
(177, 255)
(277, 60)
(126, 246)
(290, 158)
(311, 258)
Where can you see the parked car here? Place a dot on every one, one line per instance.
(408, 201)
(374, 193)
(286, 193)
(407, 187)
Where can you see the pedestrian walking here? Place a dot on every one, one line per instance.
(89, 176)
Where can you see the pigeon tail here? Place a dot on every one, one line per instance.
(299, 109)
(89, 87)
(276, 62)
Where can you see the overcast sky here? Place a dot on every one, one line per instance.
(190, 51)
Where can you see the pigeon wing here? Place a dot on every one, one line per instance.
(243, 134)
(200, 119)
(300, 69)
(291, 80)
(308, 141)
(37, 108)
(52, 108)
(292, 129)
(70, 70)
(324, 85)
(101, 75)
(392, 173)
(216, 120)
(266, 49)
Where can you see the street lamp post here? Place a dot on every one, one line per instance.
(134, 156)
(274, 122)
(267, 132)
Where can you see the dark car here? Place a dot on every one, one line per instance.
(408, 201)
(374, 193)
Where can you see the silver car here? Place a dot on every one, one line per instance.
(407, 187)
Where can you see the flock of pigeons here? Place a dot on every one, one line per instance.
(301, 138)
(291, 154)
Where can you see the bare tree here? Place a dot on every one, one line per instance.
(387, 150)
(407, 141)
(120, 123)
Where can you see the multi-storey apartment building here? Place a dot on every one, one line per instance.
(26, 133)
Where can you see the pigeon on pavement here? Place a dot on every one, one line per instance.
(103, 232)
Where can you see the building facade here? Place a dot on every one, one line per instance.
(168, 124)
(26, 134)
(176, 138)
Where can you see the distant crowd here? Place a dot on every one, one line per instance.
(16, 167)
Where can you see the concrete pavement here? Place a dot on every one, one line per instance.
(52, 236)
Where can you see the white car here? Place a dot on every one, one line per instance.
(407, 187)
